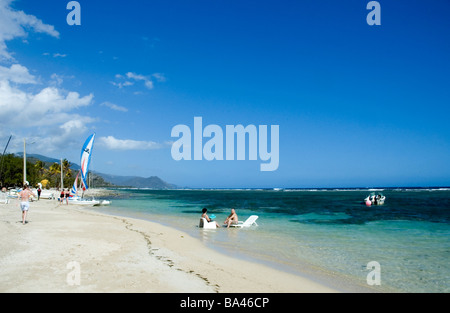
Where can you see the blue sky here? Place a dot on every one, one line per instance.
(357, 105)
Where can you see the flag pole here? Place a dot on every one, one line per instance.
(62, 175)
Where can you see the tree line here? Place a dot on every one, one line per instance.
(49, 175)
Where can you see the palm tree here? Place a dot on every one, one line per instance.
(68, 181)
(55, 173)
(40, 168)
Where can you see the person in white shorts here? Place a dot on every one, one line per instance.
(24, 197)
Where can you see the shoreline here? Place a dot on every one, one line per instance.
(123, 254)
(328, 277)
(336, 281)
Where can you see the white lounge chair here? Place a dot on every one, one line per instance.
(248, 222)
(207, 225)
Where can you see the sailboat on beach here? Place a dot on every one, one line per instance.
(86, 153)
(74, 189)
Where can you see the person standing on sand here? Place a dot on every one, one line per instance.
(231, 219)
(24, 197)
(39, 193)
(61, 196)
(67, 195)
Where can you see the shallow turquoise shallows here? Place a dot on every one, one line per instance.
(310, 231)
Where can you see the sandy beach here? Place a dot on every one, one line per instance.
(61, 243)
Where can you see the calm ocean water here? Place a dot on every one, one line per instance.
(330, 231)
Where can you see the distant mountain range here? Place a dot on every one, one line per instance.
(153, 182)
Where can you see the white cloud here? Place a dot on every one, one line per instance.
(50, 106)
(136, 76)
(50, 116)
(159, 77)
(124, 84)
(57, 80)
(13, 24)
(59, 137)
(17, 73)
(113, 143)
(55, 55)
(147, 82)
(130, 78)
(114, 107)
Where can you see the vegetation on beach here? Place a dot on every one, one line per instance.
(47, 171)
(49, 174)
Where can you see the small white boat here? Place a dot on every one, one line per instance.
(103, 202)
(13, 193)
(45, 194)
(81, 201)
(374, 199)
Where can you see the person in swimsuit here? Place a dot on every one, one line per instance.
(232, 218)
(206, 217)
(61, 196)
(24, 197)
(67, 195)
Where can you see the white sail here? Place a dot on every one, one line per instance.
(86, 153)
(74, 189)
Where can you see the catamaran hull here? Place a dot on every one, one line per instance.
(84, 202)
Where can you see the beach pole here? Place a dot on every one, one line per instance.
(1, 162)
(62, 179)
(24, 162)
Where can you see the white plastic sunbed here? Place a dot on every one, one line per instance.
(207, 225)
(4, 198)
(248, 222)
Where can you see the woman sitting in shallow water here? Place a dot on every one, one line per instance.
(206, 217)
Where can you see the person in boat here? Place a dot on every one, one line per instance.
(232, 218)
(207, 218)
(375, 199)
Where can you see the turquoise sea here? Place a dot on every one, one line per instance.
(328, 234)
